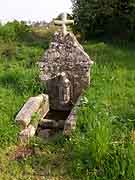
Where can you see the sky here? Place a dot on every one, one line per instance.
(34, 10)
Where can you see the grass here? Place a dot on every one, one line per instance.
(101, 147)
(18, 81)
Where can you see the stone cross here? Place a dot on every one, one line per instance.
(64, 22)
(65, 69)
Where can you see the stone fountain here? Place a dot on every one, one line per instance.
(65, 71)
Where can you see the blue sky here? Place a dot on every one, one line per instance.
(33, 10)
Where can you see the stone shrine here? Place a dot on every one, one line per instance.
(65, 69)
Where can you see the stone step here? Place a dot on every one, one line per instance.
(51, 124)
(45, 133)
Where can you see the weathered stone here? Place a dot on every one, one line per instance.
(64, 22)
(51, 124)
(27, 133)
(70, 123)
(45, 133)
(44, 108)
(34, 106)
(65, 55)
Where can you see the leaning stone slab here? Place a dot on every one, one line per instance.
(38, 105)
(70, 123)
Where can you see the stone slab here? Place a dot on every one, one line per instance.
(70, 123)
(52, 124)
(65, 56)
(35, 105)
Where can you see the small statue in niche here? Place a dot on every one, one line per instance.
(64, 89)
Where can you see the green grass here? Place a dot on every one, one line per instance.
(101, 147)
(18, 81)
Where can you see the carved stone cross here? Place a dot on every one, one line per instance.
(64, 22)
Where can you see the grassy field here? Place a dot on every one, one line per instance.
(101, 147)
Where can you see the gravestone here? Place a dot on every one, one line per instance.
(65, 69)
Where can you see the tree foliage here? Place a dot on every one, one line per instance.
(15, 31)
(111, 17)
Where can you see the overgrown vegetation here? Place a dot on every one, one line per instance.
(101, 147)
(13, 31)
(18, 77)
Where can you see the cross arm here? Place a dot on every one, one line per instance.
(67, 22)
(58, 22)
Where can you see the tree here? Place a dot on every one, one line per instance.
(112, 17)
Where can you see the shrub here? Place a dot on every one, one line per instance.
(7, 50)
(15, 30)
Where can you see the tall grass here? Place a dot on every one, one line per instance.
(18, 81)
(101, 147)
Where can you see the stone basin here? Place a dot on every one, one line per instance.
(43, 121)
(58, 121)
(52, 123)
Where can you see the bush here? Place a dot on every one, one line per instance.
(7, 50)
(45, 33)
(15, 30)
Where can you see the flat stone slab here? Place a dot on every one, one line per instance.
(27, 133)
(70, 123)
(45, 133)
(52, 124)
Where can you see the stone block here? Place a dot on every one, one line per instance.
(27, 133)
(38, 105)
(45, 133)
(51, 124)
(70, 123)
